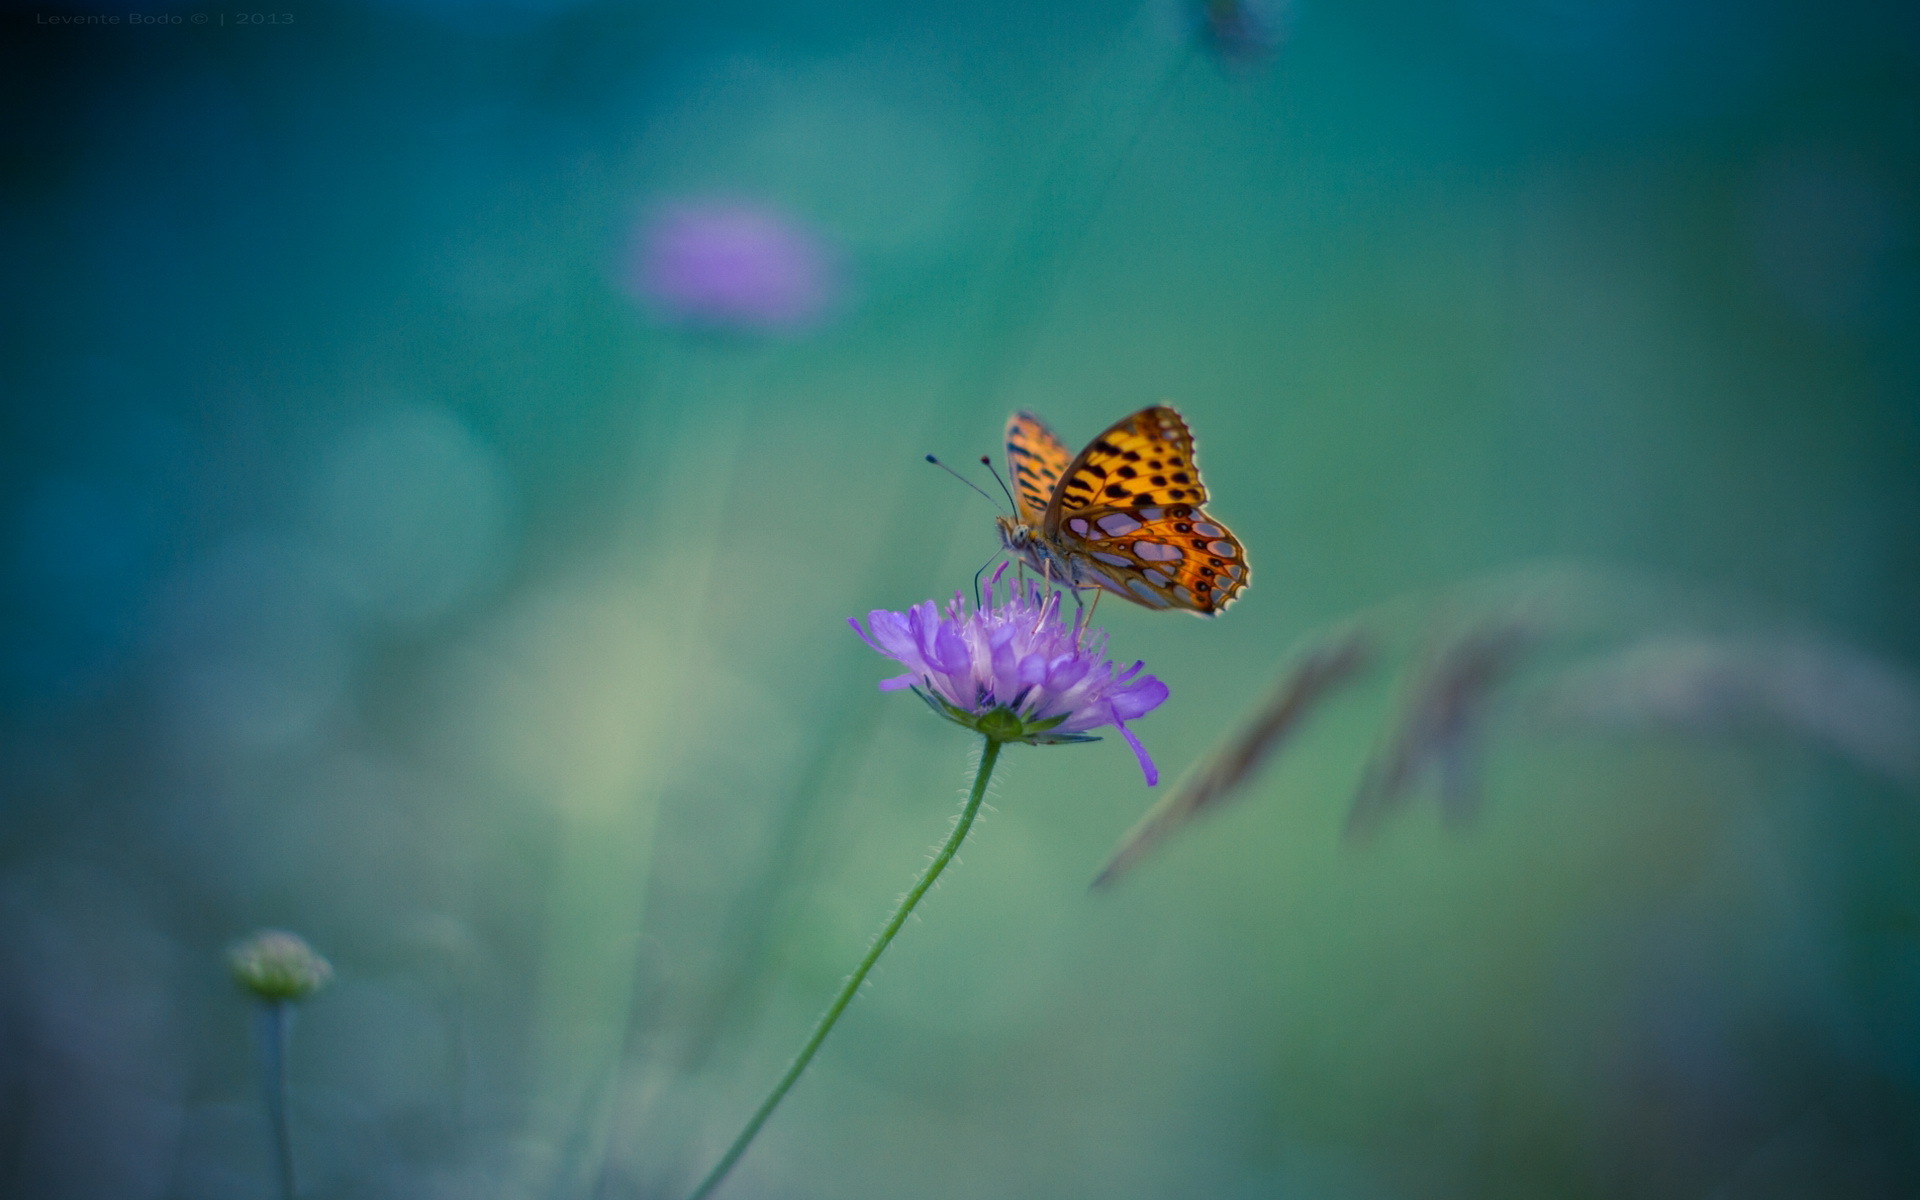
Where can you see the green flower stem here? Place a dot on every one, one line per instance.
(988, 755)
(276, 1028)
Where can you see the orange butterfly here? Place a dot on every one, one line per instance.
(1124, 515)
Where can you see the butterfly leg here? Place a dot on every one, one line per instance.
(1079, 614)
(1086, 615)
(1046, 593)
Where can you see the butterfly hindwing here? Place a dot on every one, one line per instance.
(1035, 459)
(1162, 556)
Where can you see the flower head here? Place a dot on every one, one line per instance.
(1014, 669)
(730, 265)
(275, 965)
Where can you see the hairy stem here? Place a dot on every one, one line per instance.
(988, 755)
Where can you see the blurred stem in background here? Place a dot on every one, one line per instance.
(279, 969)
(1103, 129)
(617, 742)
(989, 754)
(1104, 125)
(1096, 142)
(276, 1029)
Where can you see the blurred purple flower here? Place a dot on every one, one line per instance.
(1014, 670)
(1242, 32)
(732, 265)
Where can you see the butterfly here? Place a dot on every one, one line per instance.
(1123, 515)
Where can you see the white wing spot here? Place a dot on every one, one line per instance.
(1150, 515)
(1118, 524)
(1078, 525)
(1157, 577)
(1183, 595)
(1157, 552)
(1234, 571)
(1223, 549)
(1112, 560)
(1208, 531)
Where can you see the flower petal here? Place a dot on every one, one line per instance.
(862, 634)
(1139, 698)
(949, 650)
(893, 636)
(1031, 671)
(1140, 752)
(1016, 662)
(923, 623)
(1065, 671)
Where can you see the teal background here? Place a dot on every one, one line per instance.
(375, 567)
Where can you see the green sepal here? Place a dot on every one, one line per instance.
(939, 706)
(1002, 724)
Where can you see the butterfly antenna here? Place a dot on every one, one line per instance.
(983, 571)
(988, 464)
(962, 478)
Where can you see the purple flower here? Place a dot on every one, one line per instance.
(731, 265)
(1014, 670)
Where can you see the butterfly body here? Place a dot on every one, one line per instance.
(1124, 514)
(1048, 558)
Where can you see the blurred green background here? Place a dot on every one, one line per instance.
(381, 563)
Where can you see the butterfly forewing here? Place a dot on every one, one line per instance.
(1128, 510)
(1035, 459)
(1143, 460)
